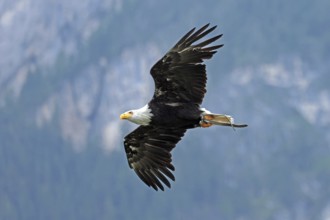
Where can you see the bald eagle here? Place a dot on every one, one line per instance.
(180, 81)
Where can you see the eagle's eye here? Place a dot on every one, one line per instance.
(130, 112)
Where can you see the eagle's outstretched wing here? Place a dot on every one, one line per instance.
(180, 75)
(148, 153)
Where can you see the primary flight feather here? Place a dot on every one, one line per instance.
(180, 81)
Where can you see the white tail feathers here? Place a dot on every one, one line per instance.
(209, 118)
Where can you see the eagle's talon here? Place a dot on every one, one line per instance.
(205, 124)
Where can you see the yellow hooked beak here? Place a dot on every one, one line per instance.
(126, 115)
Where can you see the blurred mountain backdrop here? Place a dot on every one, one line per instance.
(69, 68)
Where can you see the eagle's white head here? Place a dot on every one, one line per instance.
(141, 116)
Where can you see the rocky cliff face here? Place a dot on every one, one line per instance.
(35, 33)
(89, 105)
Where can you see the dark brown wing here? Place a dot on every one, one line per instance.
(180, 75)
(148, 153)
